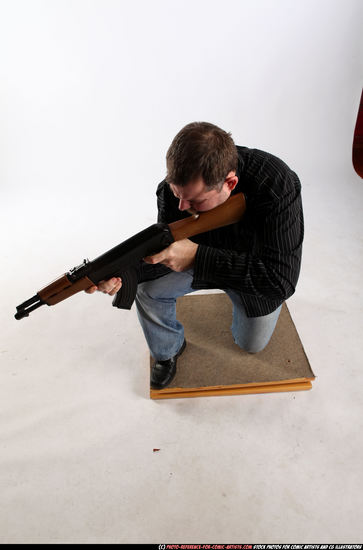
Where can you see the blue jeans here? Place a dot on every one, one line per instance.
(156, 310)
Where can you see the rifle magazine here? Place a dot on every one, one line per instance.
(126, 295)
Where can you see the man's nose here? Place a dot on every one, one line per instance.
(183, 204)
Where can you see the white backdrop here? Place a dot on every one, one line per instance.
(91, 95)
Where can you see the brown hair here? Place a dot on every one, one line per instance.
(201, 149)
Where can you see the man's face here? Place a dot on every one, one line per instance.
(196, 197)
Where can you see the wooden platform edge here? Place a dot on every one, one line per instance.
(299, 384)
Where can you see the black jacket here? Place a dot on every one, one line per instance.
(260, 256)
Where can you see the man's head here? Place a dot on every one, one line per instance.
(201, 166)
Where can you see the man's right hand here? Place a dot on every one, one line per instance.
(107, 287)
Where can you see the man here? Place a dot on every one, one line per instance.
(255, 261)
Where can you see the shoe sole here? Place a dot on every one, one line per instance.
(170, 381)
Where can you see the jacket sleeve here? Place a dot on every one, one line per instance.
(270, 268)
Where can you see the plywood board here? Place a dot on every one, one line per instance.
(212, 364)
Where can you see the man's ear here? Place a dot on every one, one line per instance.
(231, 181)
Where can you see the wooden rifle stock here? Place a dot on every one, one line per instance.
(231, 211)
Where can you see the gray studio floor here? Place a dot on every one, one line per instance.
(78, 430)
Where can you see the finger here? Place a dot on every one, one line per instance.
(155, 259)
(118, 286)
(149, 259)
(115, 290)
(106, 286)
(91, 289)
(111, 287)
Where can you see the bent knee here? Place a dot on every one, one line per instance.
(252, 347)
(254, 350)
(147, 290)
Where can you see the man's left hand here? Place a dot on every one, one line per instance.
(179, 256)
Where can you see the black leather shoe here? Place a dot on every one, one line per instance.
(163, 372)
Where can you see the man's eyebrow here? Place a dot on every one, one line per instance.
(176, 195)
(195, 199)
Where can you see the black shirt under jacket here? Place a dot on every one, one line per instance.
(259, 257)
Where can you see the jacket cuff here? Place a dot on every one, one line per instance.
(204, 264)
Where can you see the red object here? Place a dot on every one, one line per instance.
(358, 141)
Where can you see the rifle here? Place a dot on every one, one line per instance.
(124, 259)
